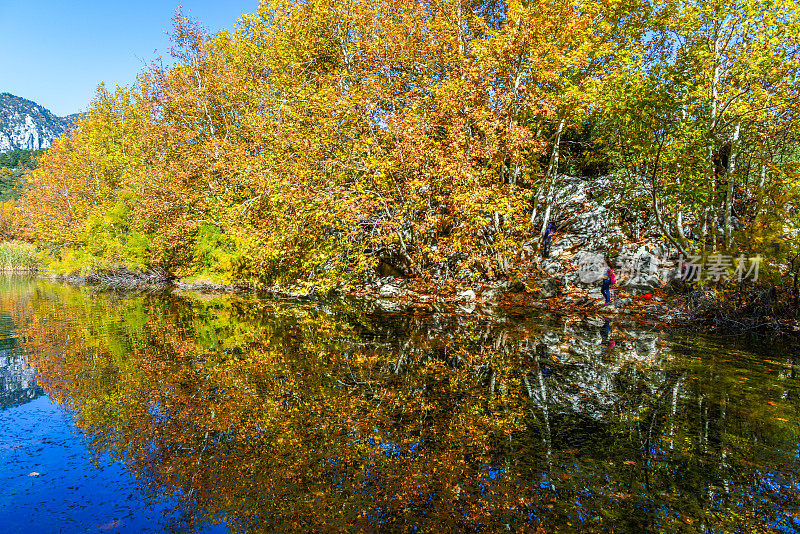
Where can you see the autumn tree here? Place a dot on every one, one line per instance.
(322, 141)
(694, 118)
(81, 195)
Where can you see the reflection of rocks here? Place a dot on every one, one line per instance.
(17, 380)
(585, 375)
(581, 371)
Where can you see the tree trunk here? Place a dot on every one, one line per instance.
(730, 174)
(714, 231)
(712, 126)
(760, 194)
(657, 209)
(547, 175)
(553, 172)
(704, 229)
(679, 226)
(679, 221)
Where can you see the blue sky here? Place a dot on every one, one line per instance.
(56, 52)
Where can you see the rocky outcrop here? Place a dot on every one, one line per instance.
(27, 125)
(548, 288)
(586, 235)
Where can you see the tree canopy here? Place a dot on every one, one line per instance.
(321, 139)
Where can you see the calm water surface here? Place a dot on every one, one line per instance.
(242, 414)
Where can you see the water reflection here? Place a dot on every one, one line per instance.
(307, 417)
(17, 378)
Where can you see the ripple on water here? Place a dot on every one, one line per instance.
(52, 482)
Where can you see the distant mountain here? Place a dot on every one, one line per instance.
(27, 125)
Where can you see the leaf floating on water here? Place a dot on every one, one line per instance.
(110, 525)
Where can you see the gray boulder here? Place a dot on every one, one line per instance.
(389, 291)
(548, 288)
(492, 293)
(467, 296)
(621, 303)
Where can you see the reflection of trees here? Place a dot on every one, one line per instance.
(17, 379)
(278, 416)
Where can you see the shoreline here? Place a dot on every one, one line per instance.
(701, 309)
(661, 308)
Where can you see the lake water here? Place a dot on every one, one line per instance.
(187, 413)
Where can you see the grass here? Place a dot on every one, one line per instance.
(18, 256)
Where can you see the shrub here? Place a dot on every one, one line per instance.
(18, 256)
